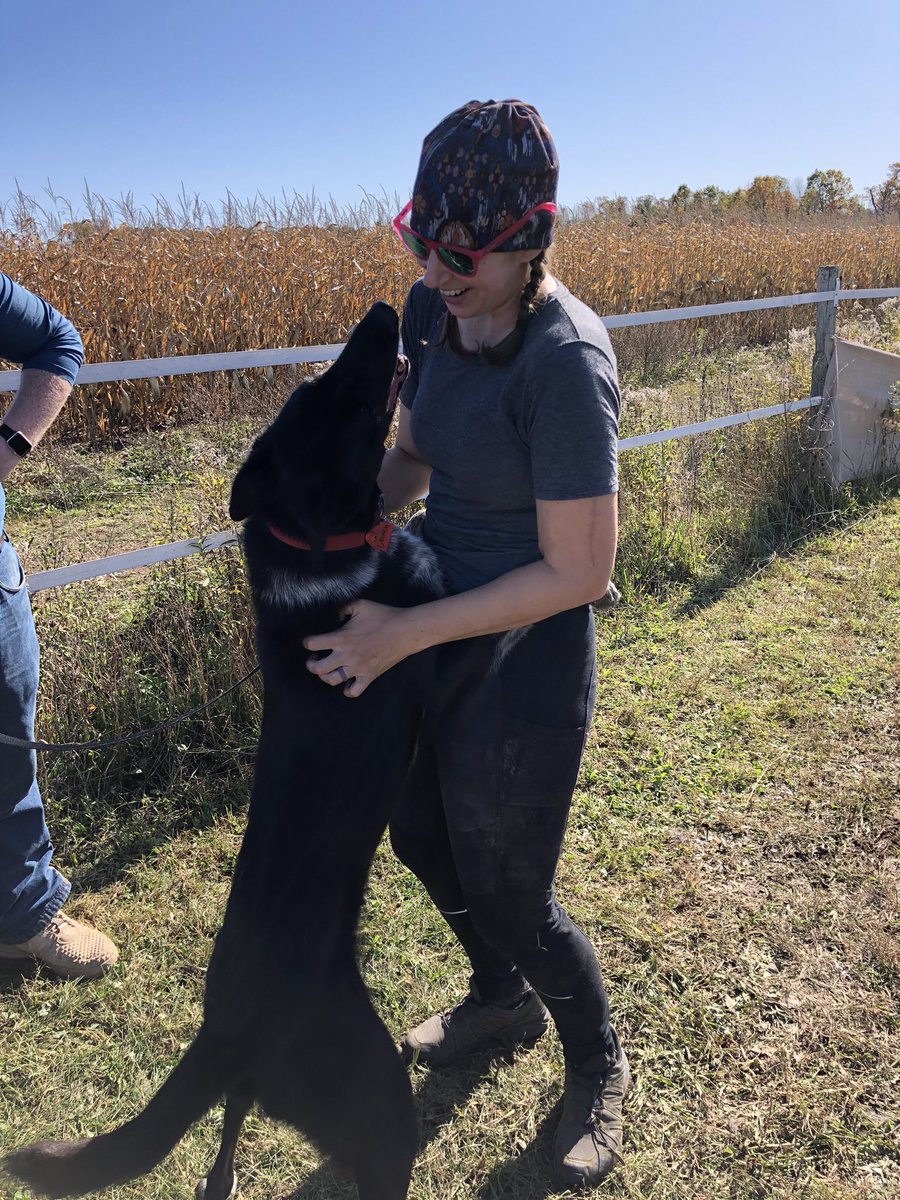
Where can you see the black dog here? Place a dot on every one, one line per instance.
(287, 1023)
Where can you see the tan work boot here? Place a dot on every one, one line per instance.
(472, 1026)
(589, 1137)
(68, 948)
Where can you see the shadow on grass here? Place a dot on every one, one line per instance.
(95, 853)
(14, 972)
(769, 534)
(527, 1176)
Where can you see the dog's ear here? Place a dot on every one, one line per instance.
(246, 491)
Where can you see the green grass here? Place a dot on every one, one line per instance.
(732, 850)
(732, 853)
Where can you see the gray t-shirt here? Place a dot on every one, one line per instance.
(498, 438)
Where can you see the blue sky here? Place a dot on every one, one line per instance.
(264, 96)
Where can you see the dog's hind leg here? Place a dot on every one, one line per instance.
(372, 1127)
(221, 1182)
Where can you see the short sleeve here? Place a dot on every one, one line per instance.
(572, 423)
(34, 334)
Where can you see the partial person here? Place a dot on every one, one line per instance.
(509, 425)
(32, 891)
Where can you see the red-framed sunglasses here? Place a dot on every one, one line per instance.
(458, 259)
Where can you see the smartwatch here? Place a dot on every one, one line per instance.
(17, 442)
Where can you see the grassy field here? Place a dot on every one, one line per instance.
(732, 853)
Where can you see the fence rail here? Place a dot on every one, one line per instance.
(154, 368)
(79, 572)
(742, 418)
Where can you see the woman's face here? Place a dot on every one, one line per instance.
(495, 288)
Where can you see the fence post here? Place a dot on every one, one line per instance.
(829, 280)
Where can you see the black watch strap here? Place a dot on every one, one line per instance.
(17, 442)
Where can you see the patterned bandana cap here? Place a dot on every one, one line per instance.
(482, 168)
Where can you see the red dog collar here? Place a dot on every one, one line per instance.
(378, 537)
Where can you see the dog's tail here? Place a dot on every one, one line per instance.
(75, 1168)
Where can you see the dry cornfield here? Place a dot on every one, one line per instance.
(151, 291)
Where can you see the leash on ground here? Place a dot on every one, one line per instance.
(22, 744)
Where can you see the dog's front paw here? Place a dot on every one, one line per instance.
(200, 1192)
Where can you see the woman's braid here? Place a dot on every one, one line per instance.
(506, 351)
(527, 306)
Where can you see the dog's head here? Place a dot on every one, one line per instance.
(314, 469)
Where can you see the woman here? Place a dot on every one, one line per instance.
(509, 424)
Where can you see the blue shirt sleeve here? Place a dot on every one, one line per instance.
(34, 334)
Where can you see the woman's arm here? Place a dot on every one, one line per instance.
(404, 475)
(577, 541)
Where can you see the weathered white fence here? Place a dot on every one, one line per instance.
(826, 299)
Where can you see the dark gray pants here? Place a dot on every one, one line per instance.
(481, 823)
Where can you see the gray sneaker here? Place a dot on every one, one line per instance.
(472, 1026)
(589, 1137)
(610, 598)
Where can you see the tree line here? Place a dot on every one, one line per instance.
(825, 192)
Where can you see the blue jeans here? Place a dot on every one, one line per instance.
(31, 890)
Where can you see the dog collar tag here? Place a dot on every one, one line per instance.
(379, 536)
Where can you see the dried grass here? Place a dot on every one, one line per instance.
(146, 291)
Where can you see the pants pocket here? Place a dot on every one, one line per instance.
(540, 769)
(12, 577)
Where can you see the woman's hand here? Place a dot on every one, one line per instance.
(374, 638)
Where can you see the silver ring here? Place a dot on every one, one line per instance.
(342, 674)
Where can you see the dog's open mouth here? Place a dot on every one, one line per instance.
(400, 373)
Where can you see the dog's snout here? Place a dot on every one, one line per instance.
(401, 370)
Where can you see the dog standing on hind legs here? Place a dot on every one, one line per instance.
(287, 1022)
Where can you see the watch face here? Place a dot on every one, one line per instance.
(19, 444)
